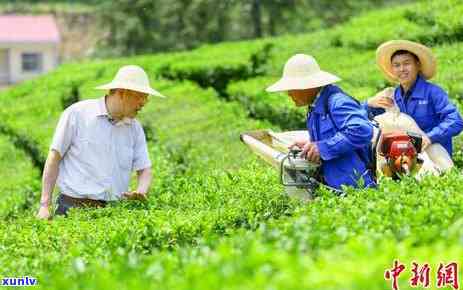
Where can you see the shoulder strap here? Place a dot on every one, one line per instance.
(370, 164)
(326, 105)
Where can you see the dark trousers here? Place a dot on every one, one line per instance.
(66, 202)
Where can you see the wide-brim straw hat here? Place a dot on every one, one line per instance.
(131, 77)
(301, 72)
(385, 51)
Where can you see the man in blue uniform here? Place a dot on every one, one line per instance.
(340, 133)
(411, 65)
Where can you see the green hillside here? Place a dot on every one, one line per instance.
(216, 216)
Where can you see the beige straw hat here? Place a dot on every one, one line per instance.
(131, 77)
(386, 50)
(301, 71)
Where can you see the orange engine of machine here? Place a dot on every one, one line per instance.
(400, 149)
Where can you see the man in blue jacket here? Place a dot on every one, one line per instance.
(411, 65)
(340, 133)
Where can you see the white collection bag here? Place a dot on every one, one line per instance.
(435, 157)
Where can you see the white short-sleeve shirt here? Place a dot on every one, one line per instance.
(98, 156)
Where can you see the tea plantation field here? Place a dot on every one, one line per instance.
(217, 217)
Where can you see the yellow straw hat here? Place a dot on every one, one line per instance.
(386, 50)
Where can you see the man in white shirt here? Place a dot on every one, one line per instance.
(96, 146)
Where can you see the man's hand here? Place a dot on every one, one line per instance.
(310, 152)
(134, 195)
(50, 174)
(44, 212)
(300, 144)
(383, 99)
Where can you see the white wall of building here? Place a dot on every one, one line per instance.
(49, 57)
(4, 67)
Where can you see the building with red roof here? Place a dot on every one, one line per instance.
(28, 46)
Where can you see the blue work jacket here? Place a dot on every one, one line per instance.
(429, 106)
(342, 132)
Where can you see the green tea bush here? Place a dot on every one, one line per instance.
(215, 66)
(363, 32)
(316, 248)
(18, 180)
(443, 19)
(431, 22)
(276, 108)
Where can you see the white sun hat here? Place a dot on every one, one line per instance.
(131, 77)
(301, 72)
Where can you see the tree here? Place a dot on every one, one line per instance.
(256, 18)
(146, 26)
